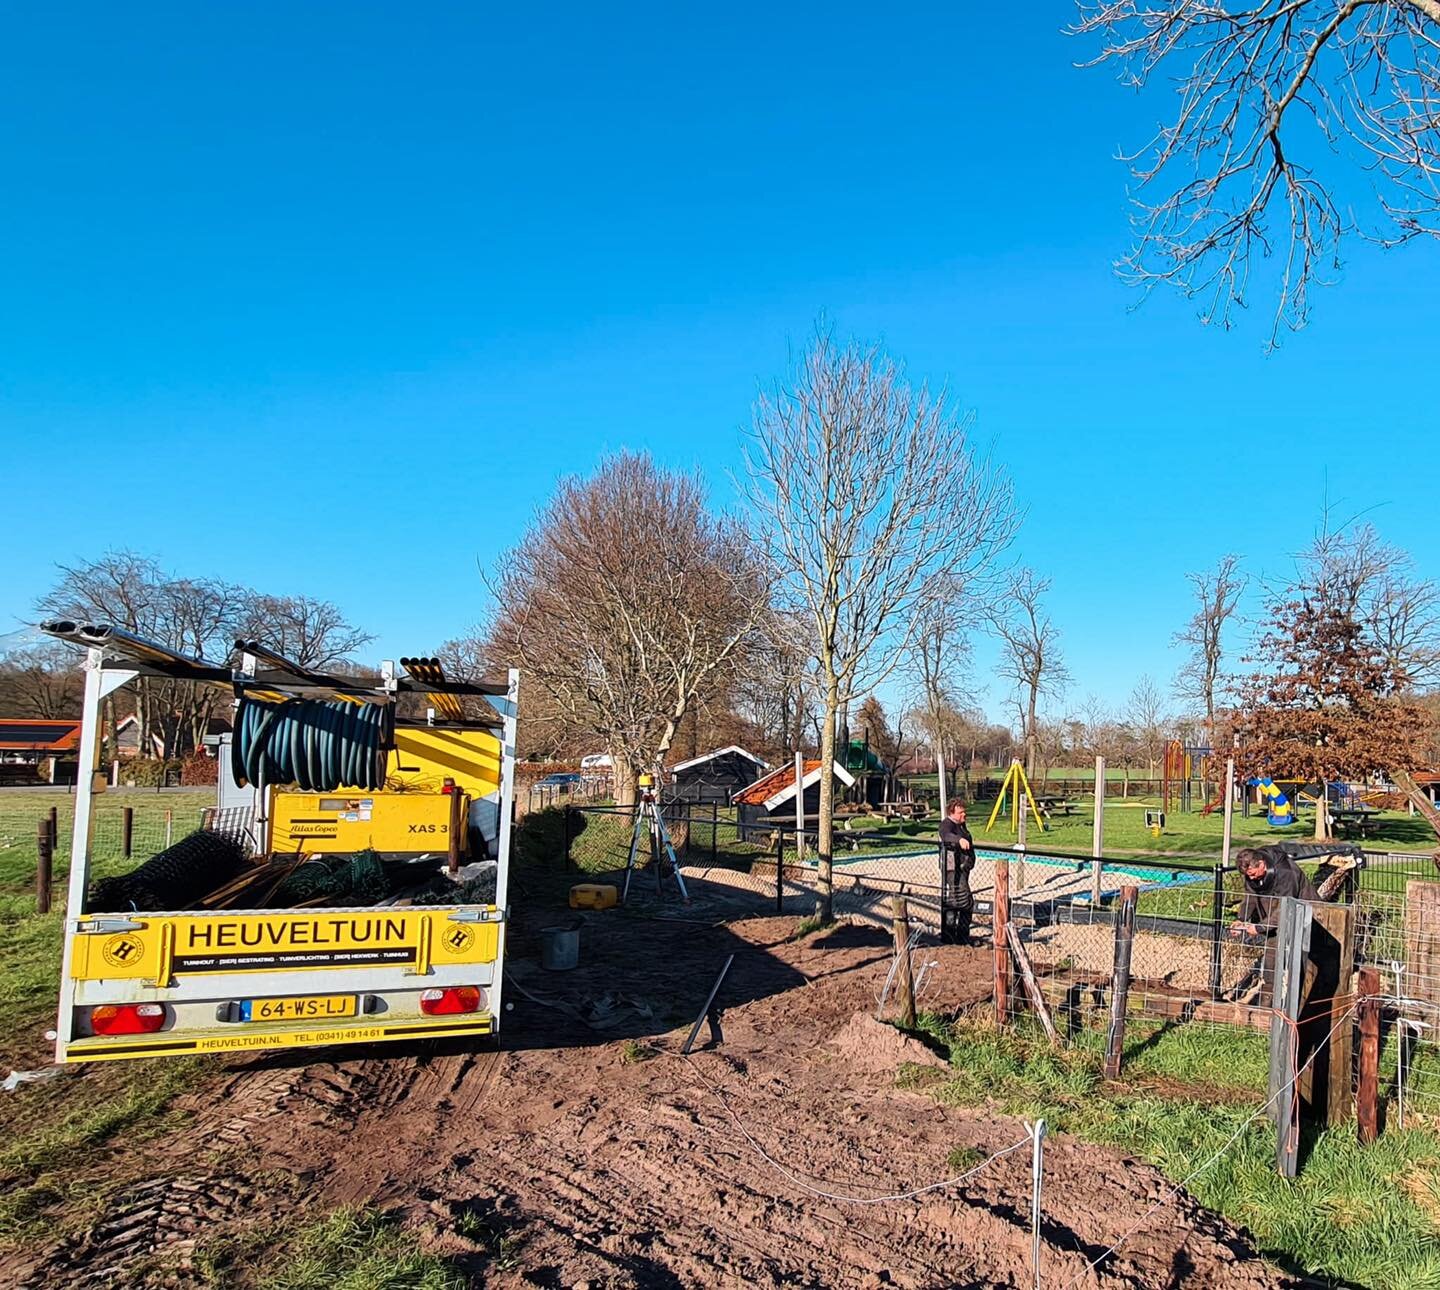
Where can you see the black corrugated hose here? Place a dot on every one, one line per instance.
(319, 745)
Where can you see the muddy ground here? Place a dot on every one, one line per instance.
(585, 1151)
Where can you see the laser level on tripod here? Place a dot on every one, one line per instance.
(648, 820)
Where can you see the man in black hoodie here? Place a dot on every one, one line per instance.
(1269, 874)
(957, 858)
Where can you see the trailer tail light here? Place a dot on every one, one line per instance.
(127, 1018)
(450, 1000)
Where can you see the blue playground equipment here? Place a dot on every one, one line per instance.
(1278, 809)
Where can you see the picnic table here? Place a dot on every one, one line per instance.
(1056, 806)
(1357, 821)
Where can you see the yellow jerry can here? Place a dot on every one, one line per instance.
(594, 895)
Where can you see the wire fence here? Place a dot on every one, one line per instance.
(126, 829)
(1190, 965)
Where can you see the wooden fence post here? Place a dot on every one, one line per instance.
(779, 872)
(1367, 1089)
(127, 831)
(54, 830)
(1097, 834)
(1120, 980)
(1292, 948)
(1325, 1029)
(43, 857)
(1217, 932)
(999, 924)
(905, 983)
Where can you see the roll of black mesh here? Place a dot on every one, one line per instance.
(176, 878)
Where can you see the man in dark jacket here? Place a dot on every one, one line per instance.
(957, 858)
(1269, 874)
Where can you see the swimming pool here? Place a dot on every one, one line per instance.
(1148, 874)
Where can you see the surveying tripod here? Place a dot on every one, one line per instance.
(648, 820)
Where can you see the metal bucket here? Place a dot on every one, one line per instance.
(560, 947)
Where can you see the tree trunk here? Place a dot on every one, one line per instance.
(1031, 736)
(825, 843)
(1322, 812)
(623, 775)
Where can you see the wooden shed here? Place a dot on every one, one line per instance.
(772, 796)
(715, 777)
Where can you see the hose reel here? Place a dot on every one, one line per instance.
(319, 745)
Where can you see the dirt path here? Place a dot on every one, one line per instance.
(572, 1157)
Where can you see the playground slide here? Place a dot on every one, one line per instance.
(1278, 809)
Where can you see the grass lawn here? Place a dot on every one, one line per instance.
(347, 1249)
(65, 1141)
(1369, 1216)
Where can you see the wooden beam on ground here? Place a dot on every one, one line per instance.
(1032, 989)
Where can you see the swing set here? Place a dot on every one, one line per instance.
(1017, 786)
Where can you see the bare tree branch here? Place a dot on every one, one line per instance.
(1272, 95)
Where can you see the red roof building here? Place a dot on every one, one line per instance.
(771, 792)
(20, 734)
(25, 744)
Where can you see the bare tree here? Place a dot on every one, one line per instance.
(192, 616)
(1374, 582)
(869, 492)
(311, 632)
(1217, 595)
(1271, 95)
(1148, 720)
(41, 681)
(775, 687)
(624, 600)
(1030, 652)
(937, 662)
(196, 616)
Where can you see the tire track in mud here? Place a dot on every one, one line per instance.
(585, 1165)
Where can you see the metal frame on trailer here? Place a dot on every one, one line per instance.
(115, 658)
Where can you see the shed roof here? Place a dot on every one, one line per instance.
(773, 789)
(24, 735)
(719, 752)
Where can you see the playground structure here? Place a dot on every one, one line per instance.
(1017, 789)
(1184, 767)
(1278, 808)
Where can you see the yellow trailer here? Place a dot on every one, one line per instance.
(435, 794)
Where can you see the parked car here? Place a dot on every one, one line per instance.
(560, 779)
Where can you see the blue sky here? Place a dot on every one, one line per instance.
(321, 298)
